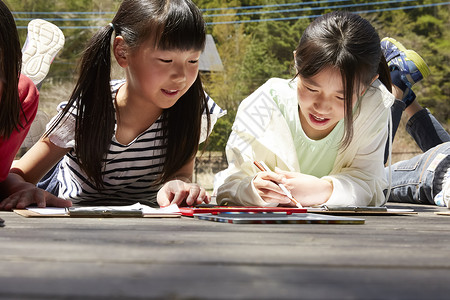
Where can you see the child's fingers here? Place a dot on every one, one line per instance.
(177, 192)
(166, 194)
(163, 197)
(39, 198)
(8, 203)
(194, 192)
(197, 195)
(283, 173)
(264, 182)
(207, 200)
(20, 200)
(25, 198)
(163, 202)
(271, 192)
(3, 203)
(269, 175)
(202, 197)
(179, 197)
(273, 197)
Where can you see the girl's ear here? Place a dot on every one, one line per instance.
(373, 79)
(120, 51)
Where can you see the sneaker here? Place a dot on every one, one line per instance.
(446, 189)
(406, 66)
(44, 40)
(410, 64)
(443, 197)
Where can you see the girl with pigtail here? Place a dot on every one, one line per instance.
(131, 140)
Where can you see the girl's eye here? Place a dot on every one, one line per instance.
(165, 60)
(194, 61)
(311, 90)
(340, 98)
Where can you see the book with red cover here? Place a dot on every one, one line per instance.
(190, 211)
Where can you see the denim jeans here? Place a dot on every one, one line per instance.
(50, 181)
(426, 130)
(419, 179)
(423, 127)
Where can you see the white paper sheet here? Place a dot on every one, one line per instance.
(146, 210)
(49, 210)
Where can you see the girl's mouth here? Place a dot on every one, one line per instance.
(317, 120)
(170, 92)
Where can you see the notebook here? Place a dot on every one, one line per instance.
(215, 209)
(278, 218)
(135, 210)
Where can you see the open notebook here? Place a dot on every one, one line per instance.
(135, 210)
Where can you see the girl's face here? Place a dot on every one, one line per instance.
(321, 101)
(161, 77)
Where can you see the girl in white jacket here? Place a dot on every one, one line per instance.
(323, 133)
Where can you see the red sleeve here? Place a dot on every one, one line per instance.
(29, 97)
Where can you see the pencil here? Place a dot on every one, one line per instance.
(263, 167)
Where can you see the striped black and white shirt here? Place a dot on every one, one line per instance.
(130, 170)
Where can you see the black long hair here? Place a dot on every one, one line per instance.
(10, 67)
(349, 43)
(173, 25)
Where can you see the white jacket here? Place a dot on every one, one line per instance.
(260, 132)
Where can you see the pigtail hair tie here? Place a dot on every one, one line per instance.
(112, 26)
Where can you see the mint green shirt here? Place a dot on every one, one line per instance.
(315, 157)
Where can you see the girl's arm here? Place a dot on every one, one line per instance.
(181, 189)
(20, 189)
(39, 160)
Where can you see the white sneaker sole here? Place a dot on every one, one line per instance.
(44, 40)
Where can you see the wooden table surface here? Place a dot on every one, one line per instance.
(388, 257)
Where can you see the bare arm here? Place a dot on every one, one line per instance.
(20, 189)
(38, 160)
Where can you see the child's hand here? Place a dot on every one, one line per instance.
(30, 194)
(177, 191)
(267, 187)
(307, 189)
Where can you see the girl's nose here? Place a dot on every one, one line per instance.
(179, 73)
(321, 105)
